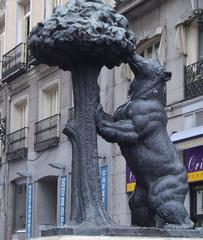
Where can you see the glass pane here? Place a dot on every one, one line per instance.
(20, 206)
(199, 202)
(200, 41)
(156, 50)
(149, 52)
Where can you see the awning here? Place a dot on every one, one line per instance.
(188, 138)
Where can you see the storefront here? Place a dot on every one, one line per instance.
(193, 161)
(190, 147)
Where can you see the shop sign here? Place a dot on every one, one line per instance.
(29, 211)
(63, 199)
(193, 161)
(130, 180)
(104, 181)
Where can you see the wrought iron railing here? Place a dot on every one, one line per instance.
(17, 140)
(47, 129)
(14, 61)
(194, 80)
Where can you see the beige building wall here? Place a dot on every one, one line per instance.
(37, 11)
(10, 25)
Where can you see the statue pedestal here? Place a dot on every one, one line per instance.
(124, 233)
(104, 238)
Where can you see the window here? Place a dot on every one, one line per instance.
(196, 206)
(200, 40)
(20, 207)
(23, 18)
(2, 42)
(19, 115)
(50, 6)
(151, 51)
(191, 31)
(50, 103)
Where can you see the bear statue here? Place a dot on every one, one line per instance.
(139, 128)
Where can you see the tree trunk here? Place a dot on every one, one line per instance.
(86, 201)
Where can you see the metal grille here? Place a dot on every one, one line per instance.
(15, 61)
(47, 129)
(17, 140)
(194, 80)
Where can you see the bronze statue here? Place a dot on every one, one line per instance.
(139, 127)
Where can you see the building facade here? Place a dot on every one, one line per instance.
(36, 101)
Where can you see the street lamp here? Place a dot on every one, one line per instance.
(197, 6)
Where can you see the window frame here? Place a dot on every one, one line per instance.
(43, 90)
(17, 184)
(142, 48)
(14, 104)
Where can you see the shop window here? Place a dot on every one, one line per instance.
(197, 204)
(20, 207)
(19, 115)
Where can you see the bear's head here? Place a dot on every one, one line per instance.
(150, 78)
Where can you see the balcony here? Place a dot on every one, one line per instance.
(17, 144)
(194, 80)
(47, 133)
(14, 62)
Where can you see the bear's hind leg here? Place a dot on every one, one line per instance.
(140, 213)
(175, 215)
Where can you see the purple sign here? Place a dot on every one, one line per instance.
(130, 178)
(193, 159)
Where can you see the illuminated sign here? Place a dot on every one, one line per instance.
(63, 199)
(130, 180)
(29, 211)
(104, 181)
(193, 161)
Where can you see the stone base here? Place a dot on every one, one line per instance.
(125, 231)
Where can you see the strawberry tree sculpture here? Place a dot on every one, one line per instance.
(82, 37)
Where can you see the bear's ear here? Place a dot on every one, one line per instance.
(167, 75)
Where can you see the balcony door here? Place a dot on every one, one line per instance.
(19, 114)
(49, 102)
(200, 40)
(23, 20)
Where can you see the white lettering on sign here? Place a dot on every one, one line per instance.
(195, 165)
